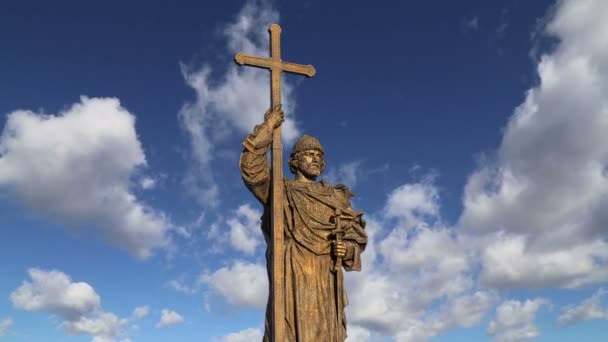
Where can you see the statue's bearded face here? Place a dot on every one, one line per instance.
(311, 163)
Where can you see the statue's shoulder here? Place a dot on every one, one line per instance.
(340, 189)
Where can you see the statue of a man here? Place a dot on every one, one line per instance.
(314, 295)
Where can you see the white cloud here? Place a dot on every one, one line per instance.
(245, 232)
(104, 326)
(407, 252)
(180, 287)
(349, 174)
(386, 304)
(590, 308)
(423, 283)
(514, 320)
(545, 195)
(414, 204)
(5, 326)
(411, 248)
(75, 168)
(358, 334)
(352, 173)
(147, 183)
(169, 318)
(237, 101)
(76, 303)
(54, 292)
(141, 311)
(463, 311)
(247, 335)
(376, 302)
(243, 283)
(241, 231)
(508, 263)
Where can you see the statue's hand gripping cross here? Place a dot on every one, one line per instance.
(276, 66)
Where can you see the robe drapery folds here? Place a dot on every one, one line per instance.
(311, 306)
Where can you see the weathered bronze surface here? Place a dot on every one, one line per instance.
(310, 227)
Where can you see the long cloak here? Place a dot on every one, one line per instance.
(311, 305)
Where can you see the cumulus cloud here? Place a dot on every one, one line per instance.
(243, 283)
(240, 231)
(5, 326)
(76, 303)
(245, 234)
(233, 102)
(463, 311)
(247, 335)
(54, 292)
(75, 167)
(418, 278)
(169, 318)
(590, 308)
(141, 311)
(514, 320)
(358, 334)
(413, 203)
(544, 197)
(395, 311)
(508, 263)
(104, 326)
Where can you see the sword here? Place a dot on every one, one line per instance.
(338, 234)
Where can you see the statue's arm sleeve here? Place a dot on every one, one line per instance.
(352, 261)
(254, 166)
(355, 237)
(356, 241)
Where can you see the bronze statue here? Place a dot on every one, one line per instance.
(311, 230)
(322, 232)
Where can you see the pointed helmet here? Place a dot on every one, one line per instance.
(306, 142)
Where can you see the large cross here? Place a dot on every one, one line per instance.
(276, 66)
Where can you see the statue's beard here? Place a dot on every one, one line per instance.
(311, 170)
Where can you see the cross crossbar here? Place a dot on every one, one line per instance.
(268, 63)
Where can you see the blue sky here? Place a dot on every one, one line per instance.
(473, 134)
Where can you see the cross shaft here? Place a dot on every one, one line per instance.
(276, 67)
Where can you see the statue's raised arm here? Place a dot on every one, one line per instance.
(254, 161)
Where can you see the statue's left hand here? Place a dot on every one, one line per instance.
(338, 249)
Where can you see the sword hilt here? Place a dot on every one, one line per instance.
(338, 234)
